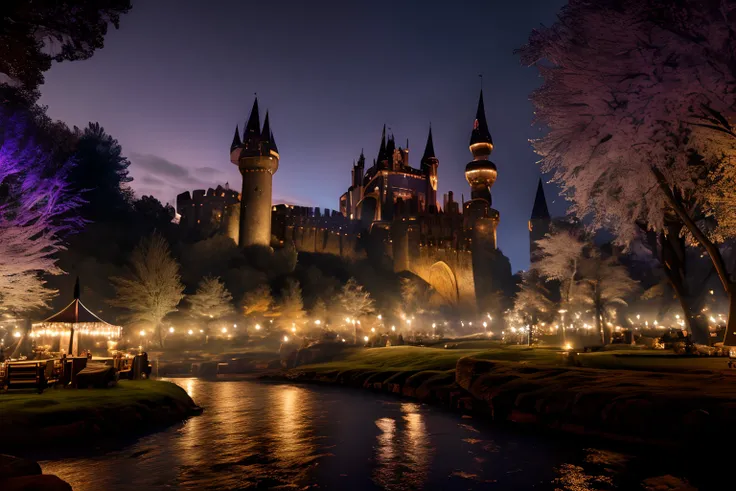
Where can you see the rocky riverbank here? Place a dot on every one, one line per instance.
(76, 418)
(18, 474)
(621, 405)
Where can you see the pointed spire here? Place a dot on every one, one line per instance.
(236, 139)
(253, 128)
(382, 149)
(76, 289)
(480, 133)
(429, 148)
(273, 144)
(540, 209)
(266, 133)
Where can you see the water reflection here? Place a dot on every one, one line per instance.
(402, 450)
(280, 436)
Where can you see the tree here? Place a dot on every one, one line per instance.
(356, 302)
(558, 259)
(152, 288)
(36, 211)
(409, 294)
(257, 302)
(319, 311)
(211, 302)
(210, 257)
(36, 33)
(532, 302)
(101, 174)
(604, 283)
(637, 96)
(291, 307)
(153, 211)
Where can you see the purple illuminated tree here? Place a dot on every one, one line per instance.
(36, 210)
(638, 97)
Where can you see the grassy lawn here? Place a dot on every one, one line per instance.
(412, 358)
(126, 394)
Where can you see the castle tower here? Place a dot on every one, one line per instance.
(539, 222)
(257, 159)
(429, 168)
(481, 174)
(480, 219)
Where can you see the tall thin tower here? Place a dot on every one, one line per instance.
(257, 158)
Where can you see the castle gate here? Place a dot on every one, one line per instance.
(443, 280)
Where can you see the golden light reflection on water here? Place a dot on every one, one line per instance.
(280, 436)
(290, 420)
(403, 450)
(386, 449)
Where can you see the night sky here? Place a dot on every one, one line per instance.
(172, 83)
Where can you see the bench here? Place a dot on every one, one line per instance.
(27, 375)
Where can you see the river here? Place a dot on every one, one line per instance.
(280, 436)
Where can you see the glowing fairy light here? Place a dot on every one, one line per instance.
(16, 334)
(224, 330)
(373, 329)
(190, 332)
(380, 317)
(286, 339)
(171, 329)
(393, 328)
(258, 327)
(293, 329)
(366, 338)
(568, 346)
(142, 333)
(318, 322)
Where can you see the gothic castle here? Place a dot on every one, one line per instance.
(389, 211)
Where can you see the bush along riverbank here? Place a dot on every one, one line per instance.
(70, 417)
(659, 409)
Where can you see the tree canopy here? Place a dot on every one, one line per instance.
(36, 211)
(100, 174)
(152, 288)
(36, 33)
(638, 102)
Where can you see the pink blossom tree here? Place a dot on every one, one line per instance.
(36, 210)
(638, 96)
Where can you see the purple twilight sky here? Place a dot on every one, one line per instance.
(172, 83)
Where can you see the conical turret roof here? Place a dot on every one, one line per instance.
(480, 133)
(273, 144)
(236, 139)
(266, 132)
(540, 209)
(429, 148)
(253, 127)
(382, 148)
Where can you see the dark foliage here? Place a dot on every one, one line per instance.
(35, 33)
(101, 174)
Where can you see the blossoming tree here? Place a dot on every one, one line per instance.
(36, 210)
(638, 96)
